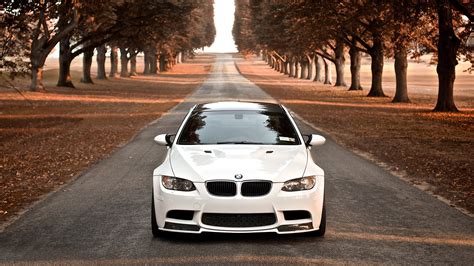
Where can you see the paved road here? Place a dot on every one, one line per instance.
(103, 216)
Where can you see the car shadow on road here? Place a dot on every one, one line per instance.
(178, 238)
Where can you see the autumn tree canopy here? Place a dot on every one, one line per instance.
(161, 29)
(296, 35)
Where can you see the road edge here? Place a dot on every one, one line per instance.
(15, 217)
(370, 158)
(385, 166)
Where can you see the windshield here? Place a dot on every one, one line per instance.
(238, 127)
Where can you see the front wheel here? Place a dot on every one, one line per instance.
(154, 226)
(322, 226)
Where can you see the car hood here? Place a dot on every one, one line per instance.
(200, 163)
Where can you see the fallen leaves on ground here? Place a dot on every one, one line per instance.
(48, 138)
(432, 150)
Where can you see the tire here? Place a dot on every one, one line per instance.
(322, 227)
(154, 226)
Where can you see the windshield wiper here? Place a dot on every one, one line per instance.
(240, 142)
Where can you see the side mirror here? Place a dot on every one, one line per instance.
(164, 140)
(315, 140)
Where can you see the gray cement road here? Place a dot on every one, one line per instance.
(103, 217)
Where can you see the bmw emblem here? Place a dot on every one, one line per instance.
(238, 176)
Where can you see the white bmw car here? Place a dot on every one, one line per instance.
(238, 167)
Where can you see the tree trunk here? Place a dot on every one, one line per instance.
(169, 64)
(176, 59)
(37, 63)
(355, 69)
(297, 69)
(448, 45)
(101, 51)
(146, 62)
(42, 45)
(307, 70)
(292, 69)
(311, 67)
(86, 66)
(123, 63)
(163, 60)
(401, 65)
(37, 79)
(327, 71)
(153, 62)
(340, 61)
(286, 71)
(304, 70)
(64, 79)
(319, 66)
(113, 61)
(133, 65)
(377, 67)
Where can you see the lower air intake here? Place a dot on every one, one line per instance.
(238, 220)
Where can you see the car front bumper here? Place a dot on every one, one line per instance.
(277, 202)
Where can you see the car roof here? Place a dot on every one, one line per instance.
(239, 106)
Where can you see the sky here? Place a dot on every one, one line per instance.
(223, 19)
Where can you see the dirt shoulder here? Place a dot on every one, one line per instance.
(49, 138)
(430, 150)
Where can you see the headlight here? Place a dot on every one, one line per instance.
(298, 184)
(174, 183)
